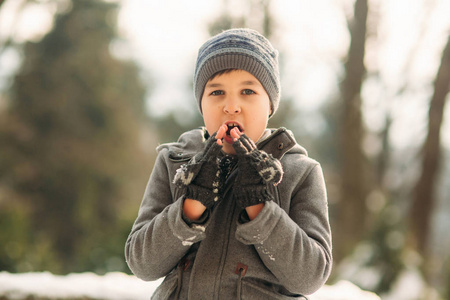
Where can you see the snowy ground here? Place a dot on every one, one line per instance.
(120, 286)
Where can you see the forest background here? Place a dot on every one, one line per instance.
(84, 103)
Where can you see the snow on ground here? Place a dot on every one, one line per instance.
(120, 286)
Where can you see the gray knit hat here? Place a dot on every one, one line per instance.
(244, 49)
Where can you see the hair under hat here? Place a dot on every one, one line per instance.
(244, 49)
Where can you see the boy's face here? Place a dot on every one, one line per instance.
(236, 98)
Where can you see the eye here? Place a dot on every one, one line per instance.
(217, 93)
(248, 92)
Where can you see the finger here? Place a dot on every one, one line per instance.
(235, 133)
(247, 143)
(219, 142)
(240, 149)
(221, 132)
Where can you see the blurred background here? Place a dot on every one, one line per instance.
(89, 88)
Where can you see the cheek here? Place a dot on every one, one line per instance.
(258, 125)
(210, 120)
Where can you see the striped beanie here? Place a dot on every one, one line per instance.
(240, 48)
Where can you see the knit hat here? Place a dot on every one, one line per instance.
(244, 49)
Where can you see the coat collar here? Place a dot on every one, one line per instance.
(278, 142)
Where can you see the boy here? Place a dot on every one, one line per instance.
(223, 217)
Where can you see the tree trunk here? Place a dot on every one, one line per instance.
(352, 209)
(424, 196)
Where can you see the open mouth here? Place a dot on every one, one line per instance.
(232, 125)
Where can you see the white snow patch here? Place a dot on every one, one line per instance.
(112, 286)
(343, 290)
(199, 227)
(410, 285)
(120, 286)
(188, 241)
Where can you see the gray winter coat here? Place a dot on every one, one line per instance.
(285, 252)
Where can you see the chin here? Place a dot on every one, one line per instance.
(228, 148)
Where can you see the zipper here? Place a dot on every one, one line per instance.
(182, 266)
(218, 280)
(241, 269)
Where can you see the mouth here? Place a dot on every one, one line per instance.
(231, 125)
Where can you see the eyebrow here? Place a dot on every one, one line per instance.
(213, 85)
(247, 82)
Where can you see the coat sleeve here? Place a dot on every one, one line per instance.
(159, 237)
(294, 239)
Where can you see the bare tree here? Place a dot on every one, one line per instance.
(424, 195)
(352, 210)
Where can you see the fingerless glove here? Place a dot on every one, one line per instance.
(201, 176)
(256, 170)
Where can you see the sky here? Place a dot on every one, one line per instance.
(164, 36)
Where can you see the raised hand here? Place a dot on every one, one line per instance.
(256, 170)
(201, 175)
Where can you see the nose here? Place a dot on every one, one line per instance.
(232, 107)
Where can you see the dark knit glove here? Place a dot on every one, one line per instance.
(201, 177)
(256, 170)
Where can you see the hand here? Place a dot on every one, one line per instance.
(221, 134)
(201, 176)
(256, 170)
